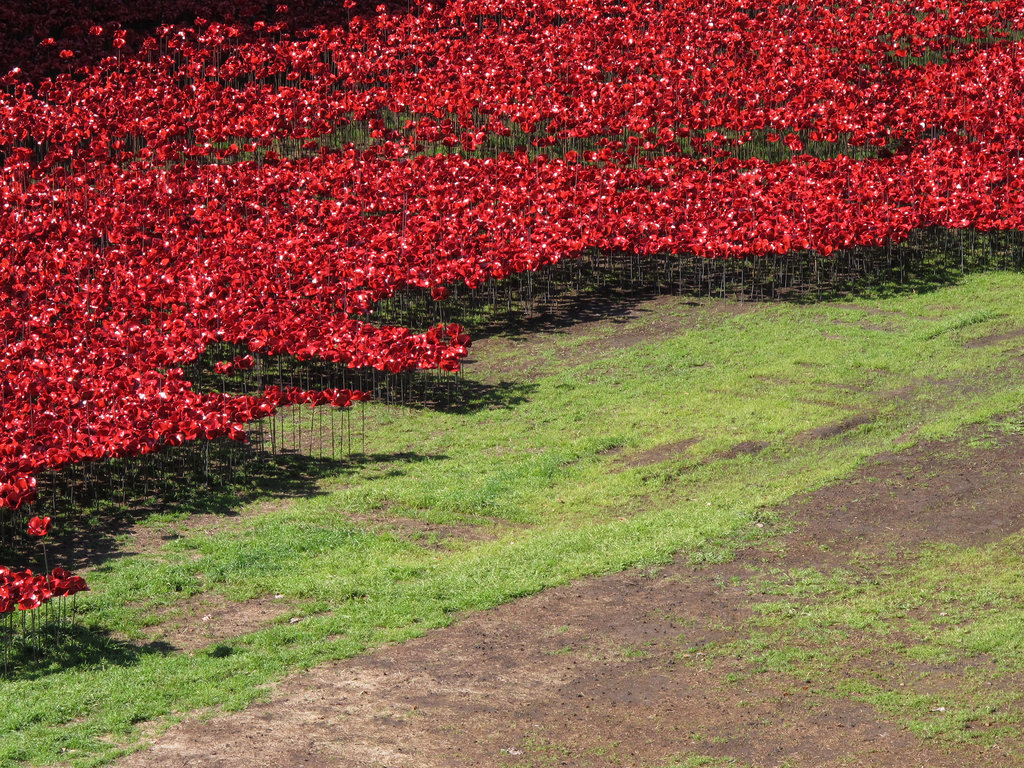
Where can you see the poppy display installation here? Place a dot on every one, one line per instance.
(265, 186)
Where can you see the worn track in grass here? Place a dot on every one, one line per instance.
(629, 669)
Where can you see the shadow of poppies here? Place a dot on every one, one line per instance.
(610, 287)
(52, 650)
(97, 506)
(565, 310)
(25, 25)
(465, 396)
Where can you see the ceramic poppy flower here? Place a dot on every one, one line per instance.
(39, 526)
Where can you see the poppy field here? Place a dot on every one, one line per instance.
(217, 217)
(248, 187)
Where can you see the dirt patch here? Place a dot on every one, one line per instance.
(833, 430)
(657, 454)
(143, 538)
(746, 448)
(934, 492)
(876, 311)
(619, 670)
(650, 332)
(887, 328)
(995, 338)
(208, 619)
(432, 535)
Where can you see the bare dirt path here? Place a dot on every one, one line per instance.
(610, 672)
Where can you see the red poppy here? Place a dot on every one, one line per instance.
(39, 526)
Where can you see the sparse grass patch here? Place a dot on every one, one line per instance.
(633, 652)
(703, 761)
(935, 643)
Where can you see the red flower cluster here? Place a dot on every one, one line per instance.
(458, 78)
(33, 35)
(266, 184)
(25, 590)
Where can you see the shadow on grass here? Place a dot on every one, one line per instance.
(108, 501)
(467, 396)
(565, 310)
(51, 650)
(615, 287)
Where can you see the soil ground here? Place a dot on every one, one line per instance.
(613, 671)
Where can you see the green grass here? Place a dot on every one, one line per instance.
(935, 643)
(542, 466)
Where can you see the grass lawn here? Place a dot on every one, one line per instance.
(580, 451)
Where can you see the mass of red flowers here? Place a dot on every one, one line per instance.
(25, 591)
(260, 182)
